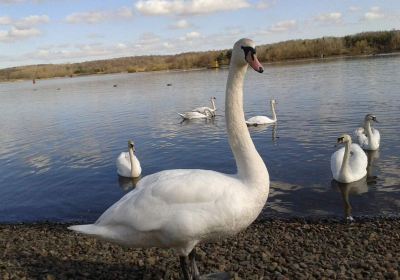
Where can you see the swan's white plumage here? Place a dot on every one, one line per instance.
(358, 162)
(363, 140)
(124, 165)
(194, 115)
(261, 120)
(204, 109)
(179, 208)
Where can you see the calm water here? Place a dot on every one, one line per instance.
(59, 138)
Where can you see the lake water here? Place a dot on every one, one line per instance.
(59, 138)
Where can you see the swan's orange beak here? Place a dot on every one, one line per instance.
(252, 60)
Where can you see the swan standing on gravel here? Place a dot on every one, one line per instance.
(182, 207)
(348, 164)
(367, 136)
(259, 120)
(127, 163)
(196, 115)
(204, 109)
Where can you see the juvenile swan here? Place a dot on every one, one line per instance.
(179, 208)
(348, 164)
(367, 136)
(260, 120)
(127, 163)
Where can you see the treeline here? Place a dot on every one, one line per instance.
(366, 43)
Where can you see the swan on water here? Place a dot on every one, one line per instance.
(182, 207)
(260, 120)
(367, 136)
(127, 163)
(196, 115)
(348, 164)
(204, 109)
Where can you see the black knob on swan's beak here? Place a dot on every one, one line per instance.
(260, 70)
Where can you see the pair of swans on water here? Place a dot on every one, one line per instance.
(349, 164)
(180, 208)
(200, 112)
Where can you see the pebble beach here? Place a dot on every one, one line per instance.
(269, 249)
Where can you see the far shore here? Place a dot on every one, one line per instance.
(282, 62)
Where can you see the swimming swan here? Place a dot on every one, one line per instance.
(367, 136)
(182, 207)
(203, 109)
(127, 163)
(348, 164)
(196, 115)
(259, 120)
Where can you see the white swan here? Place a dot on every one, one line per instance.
(196, 115)
(367, 136)
(260, 120)
(348, 164)
(204, 109)
(179, 208)
(127, 163)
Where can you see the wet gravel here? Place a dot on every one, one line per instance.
(268, 249)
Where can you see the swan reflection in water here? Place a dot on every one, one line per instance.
(262, 128)
(357, 188)
(128, 184)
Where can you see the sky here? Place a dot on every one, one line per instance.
(64, 31)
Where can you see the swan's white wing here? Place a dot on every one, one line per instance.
(259, 120)
(336, 163)
(192, 115)
(191, 202)
(376, 135)
(123, 164)
(358, 162)
(361, 137)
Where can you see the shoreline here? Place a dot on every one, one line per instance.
(295, 248)
(272, 63)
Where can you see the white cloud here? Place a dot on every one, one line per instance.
(189, 7)
(25, 22)
(180, 24)
(15, 34)
(354, 8)
(5, 20)
(283, 26)
(334, 17)
(99, 16)
(264, 4)
(374, 13)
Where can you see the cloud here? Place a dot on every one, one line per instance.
(99, 16)
(265, 4)
(189, 7)
(373, 14)
(283, 26)
(334, 17)
(25, 22)
(354, 8)
(180, 24)
(15, 34)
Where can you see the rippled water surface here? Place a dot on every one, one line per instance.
(59, 138)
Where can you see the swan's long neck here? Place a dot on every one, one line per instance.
(213, 104)
(368, 130)
(273, 111)
(345, 164)
(250, 166)
(131, 160)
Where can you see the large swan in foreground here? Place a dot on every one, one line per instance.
(127, 163)
(348, 164)
(204, 109)
(180, 208)
(260, 120)
(367, 136)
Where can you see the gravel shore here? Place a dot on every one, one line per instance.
(268, 249)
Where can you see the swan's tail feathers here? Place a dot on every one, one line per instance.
(183, 116)
(90, 229)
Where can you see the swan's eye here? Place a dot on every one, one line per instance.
(247, 50)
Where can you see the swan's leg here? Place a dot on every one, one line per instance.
(185, 267)
(195, 270)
